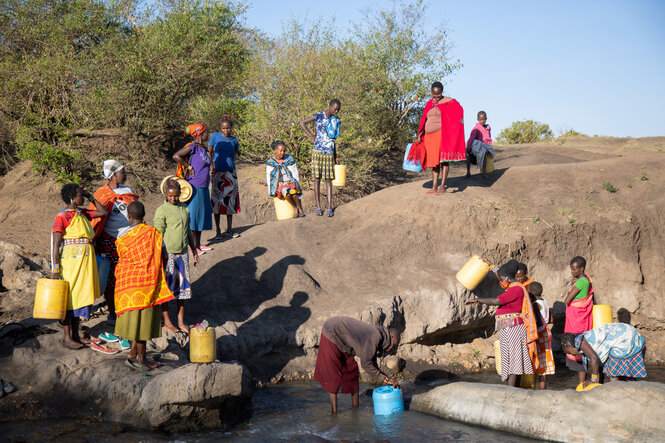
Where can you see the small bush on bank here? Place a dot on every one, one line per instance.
(528, 131)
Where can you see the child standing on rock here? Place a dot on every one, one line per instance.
(172, 221)
(545, 364)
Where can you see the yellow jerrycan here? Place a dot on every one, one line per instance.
(489, 164)
(602, 315)
(340, 176)
(283, 209)
(51, 299)
(473, 272)
(202, 345)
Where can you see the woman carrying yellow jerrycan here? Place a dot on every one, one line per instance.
(75, 262)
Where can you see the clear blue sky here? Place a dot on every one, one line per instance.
(594, 66)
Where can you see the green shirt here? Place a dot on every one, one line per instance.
(173, 222)
(582, 284)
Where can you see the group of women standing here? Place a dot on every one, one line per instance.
(618, 347)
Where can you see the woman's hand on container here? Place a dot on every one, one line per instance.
(391, 381)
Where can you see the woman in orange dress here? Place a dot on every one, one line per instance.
(442, 131)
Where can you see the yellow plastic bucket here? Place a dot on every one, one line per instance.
(51, 299)
(340, 175)
(602, 315)
(283, 209)
(473, 272)
(489, 164)
(497, 356)
(528, 381)
(202, 345)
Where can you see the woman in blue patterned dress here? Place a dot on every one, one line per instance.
(618, 347)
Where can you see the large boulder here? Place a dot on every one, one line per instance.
(619, 411)
(197, 396)
(174, 397)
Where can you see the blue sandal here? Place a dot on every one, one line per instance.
(319, 211)
(330, 213)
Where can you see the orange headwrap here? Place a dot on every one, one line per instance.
(196, 129)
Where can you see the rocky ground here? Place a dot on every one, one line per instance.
(389, 258)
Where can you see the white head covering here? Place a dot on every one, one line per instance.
(111, 167)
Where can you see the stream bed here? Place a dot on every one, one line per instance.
(300, 411)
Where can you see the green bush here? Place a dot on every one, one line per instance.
(60, 158)
(528, 131)
(609, 187)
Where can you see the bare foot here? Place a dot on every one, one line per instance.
(149, 363)
(171, 328)
(467, 176)
(71, 344)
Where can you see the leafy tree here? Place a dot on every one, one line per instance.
(527, 131)
(381, 74)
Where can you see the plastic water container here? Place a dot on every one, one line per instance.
(602, 315)
(528, 381)
(489, 164)
(413, 166)
(202, 345)
(387, 400)
(51, 299)
(497, 356)
(340, 176)
(473, 272)
(103, 270)
(283, 209)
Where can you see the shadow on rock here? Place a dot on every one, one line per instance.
(268, 342)
(230, 290)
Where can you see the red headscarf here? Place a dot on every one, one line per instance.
(195, 130)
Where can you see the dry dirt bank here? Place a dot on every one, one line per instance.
(391, 257)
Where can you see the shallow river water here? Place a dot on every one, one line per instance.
(298, 411)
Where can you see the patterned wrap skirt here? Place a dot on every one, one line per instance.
(545, 356)
(625, 367)
(515, 357)
(323, 165)
(225, 196)
(177, 276)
